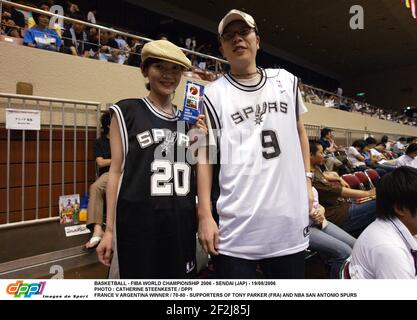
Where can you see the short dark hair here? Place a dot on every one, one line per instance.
(314, 146)
(105, 123)
(384, 139)
(411, 139)
(359, 144)
(411, 148)
(402, 139)
(324, 132)
(397, 189)
(370, 140)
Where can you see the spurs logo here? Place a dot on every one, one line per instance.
(169, 142)
(259, 114)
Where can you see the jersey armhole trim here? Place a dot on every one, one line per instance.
(123, 131)
(297, 116)
(212, 112)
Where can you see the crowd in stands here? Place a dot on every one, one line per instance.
(34, 30)
(337, 101)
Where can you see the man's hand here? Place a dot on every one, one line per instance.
(208, 235)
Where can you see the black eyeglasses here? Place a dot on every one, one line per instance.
(227, 36)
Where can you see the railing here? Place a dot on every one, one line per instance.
(218, 61)
(345, 137)
(318, 97)
(38, 166)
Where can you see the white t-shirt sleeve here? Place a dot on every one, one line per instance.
(392, 263)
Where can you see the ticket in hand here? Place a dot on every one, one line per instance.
(193, 102)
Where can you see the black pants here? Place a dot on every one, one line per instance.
(285, 267)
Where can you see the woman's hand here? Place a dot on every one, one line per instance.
(201, 124)
(317, 215)
(105, 249)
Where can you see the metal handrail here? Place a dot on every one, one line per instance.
(100, 27)
(47, 99)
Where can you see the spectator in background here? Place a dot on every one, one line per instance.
(330, 147)
(339, 92)
(388, 143)
(399, 146)
(109, 48)
(94, 43)
(351, 217)
(134, 58)
(372, 161)
(40, 36)
(409, 158)
(13, 21)
(387, 249)
(91, 15)
(43, 5)
(76, 39)
(98, 188)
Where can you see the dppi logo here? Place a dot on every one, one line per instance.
(26, 290)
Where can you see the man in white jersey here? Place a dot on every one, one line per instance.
(260, 191)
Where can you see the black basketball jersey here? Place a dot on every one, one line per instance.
(156, 209)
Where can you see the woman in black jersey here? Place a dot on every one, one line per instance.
(151, 218)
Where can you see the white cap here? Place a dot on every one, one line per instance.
(235, 15)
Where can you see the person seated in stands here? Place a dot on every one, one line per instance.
(399, 147)
(98, 188)
(381, 155)
(75, 38)
(355, 157)
(313, 97)
(373, 161)
(330, 147)
(387, 249)
(40, 36)
(43, 5)
(329, 102)
(12, 21)
(109, 48)
(94, 43)
(351, 217)
(134, 58)
(329, 240)
(409, 158)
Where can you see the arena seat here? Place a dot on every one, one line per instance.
(372, 175)
(352, 181)
(344, 270)
(365, 182)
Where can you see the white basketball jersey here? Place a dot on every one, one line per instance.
(263, 202)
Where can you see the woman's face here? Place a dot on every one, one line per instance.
(317, 159)
(239, 44)
(164, 77)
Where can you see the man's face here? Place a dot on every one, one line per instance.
(239, 43)
(78, 27)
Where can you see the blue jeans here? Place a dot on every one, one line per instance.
(359, 216)
(333, 243)
(285, 267)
